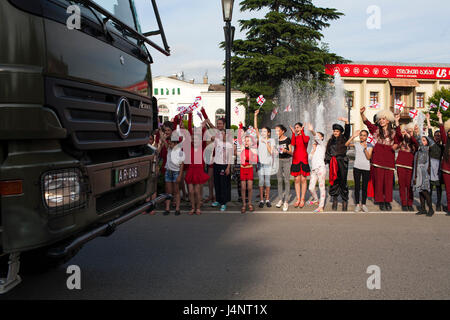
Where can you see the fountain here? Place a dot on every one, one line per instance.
(311, 101)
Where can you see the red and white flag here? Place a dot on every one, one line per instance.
(236, 110)
(288, 108)
(399, 105)
(433, 106)
(370, 139)
(374, 105)
(274, 113)
(260, 100)
(444, 104)
(413, 113)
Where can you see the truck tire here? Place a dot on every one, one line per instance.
(37, 261)
(3, 266)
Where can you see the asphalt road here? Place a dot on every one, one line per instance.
(264, 255)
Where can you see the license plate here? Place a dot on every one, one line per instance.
(125, 175)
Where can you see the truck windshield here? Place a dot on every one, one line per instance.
(123, 10)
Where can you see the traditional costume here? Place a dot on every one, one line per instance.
(383, 160)
(336, 157)
(300, 165)
(405, 164)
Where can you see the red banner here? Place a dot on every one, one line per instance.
(379, 71)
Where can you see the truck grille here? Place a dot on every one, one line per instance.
(88, 113)
(116, 198)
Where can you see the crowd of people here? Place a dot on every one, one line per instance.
(212, 157)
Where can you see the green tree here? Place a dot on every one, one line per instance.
(283, 44)
(436, 98)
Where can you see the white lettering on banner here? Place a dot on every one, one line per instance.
(441, 73)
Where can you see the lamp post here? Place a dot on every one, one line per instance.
(227, 8)
(349, 101)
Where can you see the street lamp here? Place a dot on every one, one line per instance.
(227, 8)
(349, 100)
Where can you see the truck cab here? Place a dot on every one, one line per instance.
(76, 113)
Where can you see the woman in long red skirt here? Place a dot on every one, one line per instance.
(445, 164)
(383, 156)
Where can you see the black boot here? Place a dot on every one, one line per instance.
(410, 208)
(344, 205)
(404, 208)
(438, 207)
(388, 206)
(430, 212)
(382, 207)
(422, 204)
(335, 204)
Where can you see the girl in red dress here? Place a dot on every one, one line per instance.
(300, 167)
(195, 174)
(248, 159)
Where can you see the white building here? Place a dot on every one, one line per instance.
(172, 93)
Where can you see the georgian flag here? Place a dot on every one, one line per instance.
(374, 105)
(370, 139)
(399, 105)
(413, 113)
(236, 110)
(444, 104)
(273, 114)
(260, 100)
(432, 106)
(251, 131)
(288, 108)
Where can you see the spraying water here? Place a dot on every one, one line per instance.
(312, 101)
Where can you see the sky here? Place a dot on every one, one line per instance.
(409, 31)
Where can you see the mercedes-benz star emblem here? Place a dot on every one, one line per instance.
(123, 117)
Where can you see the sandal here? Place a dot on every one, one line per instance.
(198, 212)
(250, 208)
(297, 204)
(191, 212)
(318, 210)
(302, 204)
(243, 209)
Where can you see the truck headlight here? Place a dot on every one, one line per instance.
(62, 190)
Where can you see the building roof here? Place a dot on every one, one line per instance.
(403, 64)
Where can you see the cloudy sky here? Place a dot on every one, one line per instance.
(411, 31)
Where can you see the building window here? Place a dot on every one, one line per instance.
(420, 100)
(162, 91)
(220, 113)
(373, 97)
(179, 91)
(155, 91)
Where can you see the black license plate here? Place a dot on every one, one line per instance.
(126, 175)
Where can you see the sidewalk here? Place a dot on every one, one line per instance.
(235, 206)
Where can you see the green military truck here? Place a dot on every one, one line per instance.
(76, 113)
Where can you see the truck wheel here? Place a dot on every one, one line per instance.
(37, 261)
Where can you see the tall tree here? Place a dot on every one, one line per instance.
(283, 44)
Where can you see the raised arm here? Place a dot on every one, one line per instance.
(442, 128)
(255, 123)
(349, 141)
(372, 128)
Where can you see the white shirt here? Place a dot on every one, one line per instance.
(318, 157)
(223, 152)
(264, 157)
(175, 157)
(361, 161)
